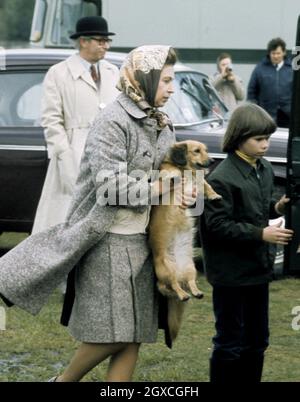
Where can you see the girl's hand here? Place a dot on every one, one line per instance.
(186, 195)
(280, 205)
(277, 235)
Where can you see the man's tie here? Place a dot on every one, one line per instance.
(94, 74)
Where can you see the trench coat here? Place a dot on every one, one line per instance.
(70, 103)
(122, 132)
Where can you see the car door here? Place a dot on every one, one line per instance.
(292, 256)
(23, 153)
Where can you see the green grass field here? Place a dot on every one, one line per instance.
(37, 348)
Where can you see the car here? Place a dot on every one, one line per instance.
(195, 109)
(23, 150)
(198, 113)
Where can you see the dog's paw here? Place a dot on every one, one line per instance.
(166, 291)
(184, 298)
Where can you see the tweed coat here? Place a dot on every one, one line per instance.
(70, 103)
(121, 133)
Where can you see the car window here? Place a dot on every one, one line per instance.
(194, 99)
(28, 105)
(20, 98)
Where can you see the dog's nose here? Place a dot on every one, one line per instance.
(211, 161)
(208, 163)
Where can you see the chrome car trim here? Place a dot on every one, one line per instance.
(273, 159)
(196, 123)
(217, 156)
(38, 148)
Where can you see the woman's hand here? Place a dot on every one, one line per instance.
(277, 235)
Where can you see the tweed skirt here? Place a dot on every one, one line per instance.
(116, 298)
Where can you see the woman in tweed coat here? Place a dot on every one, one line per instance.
(115, 306)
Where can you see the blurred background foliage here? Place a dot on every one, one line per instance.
(15, 21)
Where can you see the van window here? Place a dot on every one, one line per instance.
(38, 21)
(66, 17)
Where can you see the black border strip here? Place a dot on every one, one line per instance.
(197, 55)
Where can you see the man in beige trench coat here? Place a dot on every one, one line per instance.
(72, 95)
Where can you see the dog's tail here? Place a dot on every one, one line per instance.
(175, 314)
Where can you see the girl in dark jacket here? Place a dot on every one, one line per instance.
(236, 239)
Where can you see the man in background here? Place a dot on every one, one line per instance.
(74, 90)
(227, 83)
(270, 85)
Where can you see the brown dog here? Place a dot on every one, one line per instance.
(171, 232)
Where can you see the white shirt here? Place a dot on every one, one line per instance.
(88, 65)
(278, 66)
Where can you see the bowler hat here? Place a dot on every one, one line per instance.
(91, 26)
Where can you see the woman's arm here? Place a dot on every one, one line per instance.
(106, 149)
(238, 89)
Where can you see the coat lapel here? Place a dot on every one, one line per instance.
(78, 71)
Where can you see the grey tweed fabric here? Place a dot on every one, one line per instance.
(30, 272)
(116, 296)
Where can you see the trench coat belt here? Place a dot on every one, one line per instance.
(77, 124)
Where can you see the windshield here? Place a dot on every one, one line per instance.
(194, 100)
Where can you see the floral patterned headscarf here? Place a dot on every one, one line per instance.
(139, 78)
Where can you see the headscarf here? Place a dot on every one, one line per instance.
(139, 79)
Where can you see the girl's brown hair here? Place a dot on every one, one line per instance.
(248, 120)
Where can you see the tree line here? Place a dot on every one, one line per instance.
(15, 20)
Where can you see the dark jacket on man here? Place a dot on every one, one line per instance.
(272, 89)
(231, 228)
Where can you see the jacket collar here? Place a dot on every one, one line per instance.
(131, 107)
(244, 167)
(266, 60)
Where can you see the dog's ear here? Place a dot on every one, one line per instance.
(178, 154)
